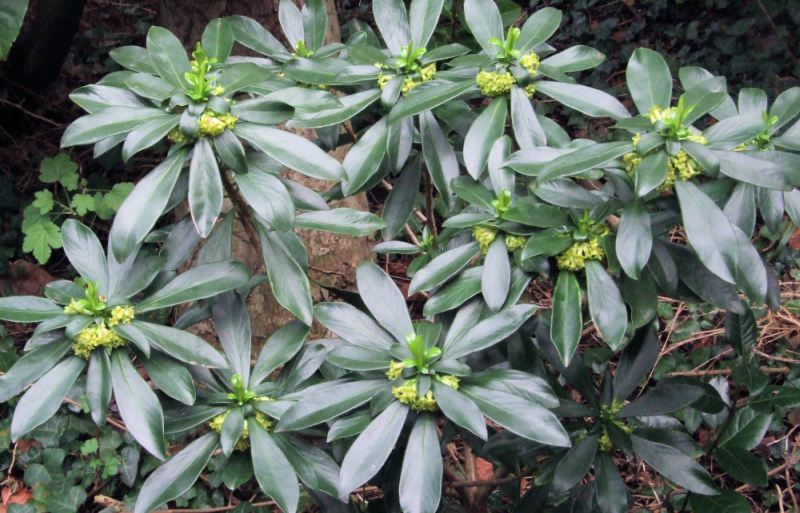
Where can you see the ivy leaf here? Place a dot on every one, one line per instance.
(60, 169)
(44, 201)
(90, 446)
(83, 203)
(41, 236)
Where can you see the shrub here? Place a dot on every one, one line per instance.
(666, 207)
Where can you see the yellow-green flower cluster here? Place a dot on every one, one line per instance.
(574, 257)
(121, 315)
(99, 334)
(515, 242)
(425, 74)
(175, 136)
(395, 370)
(94, 336)
(494, 83)
(449, 380)
(680, 167)
(631, 161)
(213, 124)
(608, 413)
(604, 443)
(530, 89)
(76, 307)
(407, 393)
(484, 236)
(530, 61)
(243, 443)
(658, 114)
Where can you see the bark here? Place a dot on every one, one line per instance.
(38, 54)
(332, 258)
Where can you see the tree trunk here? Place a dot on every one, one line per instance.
(38, 54)
(332, 258)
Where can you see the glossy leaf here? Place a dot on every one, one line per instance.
(674, 465)
(605, 305)
(43, 399)
(337, 400)
(586, 100)
(199, 282)
(273, 471)
(384, 300)
(345, 221)
(649, 80)
(442, 268)
(175, 477)
(292, 151)
(138, 405)
(421, 474)
(85, 252)
(485, 130)
(634, 240)
(181, 345)
(144, 205)
(286, 277)
(371, 449)
(567, 321)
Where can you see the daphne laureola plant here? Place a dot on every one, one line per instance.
(666, 206)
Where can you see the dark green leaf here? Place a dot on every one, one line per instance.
(384, 300)
(442, 268)
(274, 473)
(649, 80)
(496, 276)
(31, 366)
(279, 348)
(199, 282)
(583, 159)
(287, 278)
(353, 325)
(586, 100)
(488, 332)
(485, 23)
(138, 405)
(742, 465)
(181, 345)
(674, 465)
(292, 151)
(217, 39)
(365, 156)
(144, 205)
(85, 252)
(43, 399)
(371, 449)
(484, 131)
(337, 400)
(429, 96)
(98, 386)
(519, 415)
(175, 477)
(346, 221)
(567, 321)
(612, 493)
(574, 465)
(167, 56)
(28, 309)
(421, 475)
(634, 240)
(460, 410)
